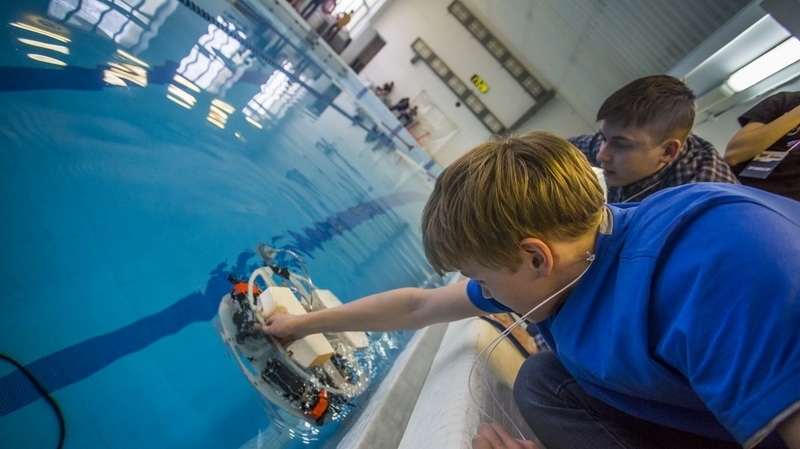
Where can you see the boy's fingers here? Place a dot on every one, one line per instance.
(494, 436)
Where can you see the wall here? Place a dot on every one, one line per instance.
(559, 117)
(359, 42)
(400, 23)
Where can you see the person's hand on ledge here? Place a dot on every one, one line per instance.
(494, 436)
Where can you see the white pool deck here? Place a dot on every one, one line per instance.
(429, 399)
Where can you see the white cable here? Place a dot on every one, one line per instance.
(496, 342)
(266, 274)
(267, 253)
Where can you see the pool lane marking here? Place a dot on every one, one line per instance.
(79, 361)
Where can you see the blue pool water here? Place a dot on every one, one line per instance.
(129, 194)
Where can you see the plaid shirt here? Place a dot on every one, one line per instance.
(698, 161)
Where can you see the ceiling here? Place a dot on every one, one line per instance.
(586, 49)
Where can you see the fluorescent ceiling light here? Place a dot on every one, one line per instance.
(771, 62)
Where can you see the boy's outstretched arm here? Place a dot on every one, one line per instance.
(400, 309)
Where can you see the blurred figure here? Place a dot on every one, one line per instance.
(384, 90)
(401, 105)
(342, 19)
(406, 117)
(310, 8)
(763, 152)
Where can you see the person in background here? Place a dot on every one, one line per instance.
(310, 8)
(342, 19)
(407, 116)
(645, 142)
(771, 126)
(384, 90)
(672, 321)
(401, 105)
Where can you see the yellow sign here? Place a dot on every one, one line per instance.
(480, 84)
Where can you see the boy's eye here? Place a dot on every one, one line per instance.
(619, 144)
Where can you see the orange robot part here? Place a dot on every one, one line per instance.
(321, 407)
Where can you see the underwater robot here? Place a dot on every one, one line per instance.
(314, 378)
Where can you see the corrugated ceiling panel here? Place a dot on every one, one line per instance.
(586, 49)
(643, 37)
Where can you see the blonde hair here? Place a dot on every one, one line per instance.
(535, 185)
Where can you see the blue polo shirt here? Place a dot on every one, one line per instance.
(689, 316)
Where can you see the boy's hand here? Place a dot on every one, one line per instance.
(280, 325)
(493, 436)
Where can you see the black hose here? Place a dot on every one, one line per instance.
(46, 395)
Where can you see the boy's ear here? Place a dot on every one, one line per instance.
(536, 255)
(671, 148)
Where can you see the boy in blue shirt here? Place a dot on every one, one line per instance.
(672, 322)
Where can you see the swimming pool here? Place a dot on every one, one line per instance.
(147, 147)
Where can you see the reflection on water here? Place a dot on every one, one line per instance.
(131, 25)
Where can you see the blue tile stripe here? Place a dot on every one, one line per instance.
(79, 361)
